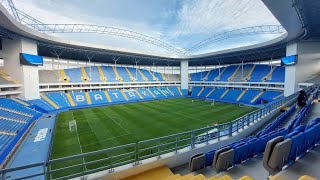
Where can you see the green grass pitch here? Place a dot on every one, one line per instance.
(108, 126)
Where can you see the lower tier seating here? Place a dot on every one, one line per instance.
(293, 142)
(60, 100)
(15, 118)
(250, 96)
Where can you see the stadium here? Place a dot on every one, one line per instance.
(160, 90)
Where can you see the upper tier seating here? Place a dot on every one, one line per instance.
(15, 118)
(234, 73)
(57, 100)
(241, 76)
(258, 73)
(277, 75)
(227, 73)
(94, 74)
(5, 79)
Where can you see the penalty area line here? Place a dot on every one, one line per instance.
(117, 123)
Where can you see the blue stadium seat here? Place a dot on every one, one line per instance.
(116, 96)
(259, 72)
(79, 98)
(98, 97)
(59, 98)
(157, 93)
(227, 73)
(109, 73)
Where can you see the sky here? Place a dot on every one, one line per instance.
(180, 23)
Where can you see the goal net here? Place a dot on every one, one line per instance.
(73, 125)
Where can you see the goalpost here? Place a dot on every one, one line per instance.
(73, 125)
(212, 103)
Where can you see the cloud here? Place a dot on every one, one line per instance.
(179, 23)
(210, 17)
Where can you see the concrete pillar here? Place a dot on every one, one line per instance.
(28, 76)
(307, 65)
(184, 72)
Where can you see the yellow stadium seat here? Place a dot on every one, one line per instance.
(225, 177)
(307, 178)
(246, 178)
(199, 177)
(277, 178)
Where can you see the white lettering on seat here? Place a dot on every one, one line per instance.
(42, 133)
(116, 95)
(156, 92)
(80, 98)
(98, 97)
(131, 94)
(145, 93)
(165, 91)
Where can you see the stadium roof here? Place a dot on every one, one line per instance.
(295, 19)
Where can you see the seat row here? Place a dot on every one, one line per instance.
(250, 96)
(237, 73)
(283, 151)
(107, 74)
(235, 153)
(60, 100)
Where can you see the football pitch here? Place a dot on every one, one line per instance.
(109, 126)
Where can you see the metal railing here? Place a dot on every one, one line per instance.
(134, 153)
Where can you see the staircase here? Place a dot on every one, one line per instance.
(64, 76)
(180, 91)
(102, 76)
(170, 91)
(131, 76)
(250, 72)
(234, 73)
(88, 98)
(151, 93)
(164, 173)
(210, 93)
(242, 93)
(200, 91)
(256, 97)
(268, 75)
(162, 92)
(218, 77)
(153, 76)
(143, 76)
(138, 94)
(107, 96)
(70, 99)
(20, 101)
(84, 76)
(206, 77)
(163, 77)
(241, 75)
(224, 93)
(7, 78)
(43, 96)
(118, 77)
(124, 95)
